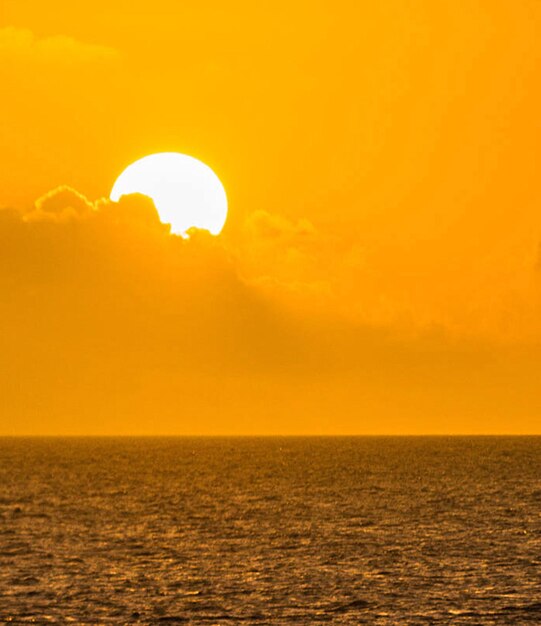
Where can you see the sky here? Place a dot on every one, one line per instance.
(379, 271)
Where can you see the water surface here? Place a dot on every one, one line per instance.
(271, 531)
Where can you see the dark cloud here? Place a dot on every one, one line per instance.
(110, 324)
(111, 276)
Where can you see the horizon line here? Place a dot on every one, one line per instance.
(262, 436)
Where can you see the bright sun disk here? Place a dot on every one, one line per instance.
(185, 191)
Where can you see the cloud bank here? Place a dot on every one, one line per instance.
(111, 325)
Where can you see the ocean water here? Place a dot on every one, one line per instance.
(270, 531)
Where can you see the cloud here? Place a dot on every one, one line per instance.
(117, 270)
(110, 324)
(62, 203)
(284, 256)
(266, 226)
(21, 45)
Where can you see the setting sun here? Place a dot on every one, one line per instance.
(185, 191)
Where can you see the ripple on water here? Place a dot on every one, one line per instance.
(281, 531)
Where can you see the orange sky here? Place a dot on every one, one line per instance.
(379, 271)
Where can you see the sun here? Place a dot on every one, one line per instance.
(185, 191)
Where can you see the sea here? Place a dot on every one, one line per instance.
(346, 530)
